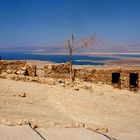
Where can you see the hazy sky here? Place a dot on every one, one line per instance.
(43, 22)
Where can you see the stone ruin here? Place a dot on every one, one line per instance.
(18, 68)
(119, 77)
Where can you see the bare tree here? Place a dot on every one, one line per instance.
(74, 44)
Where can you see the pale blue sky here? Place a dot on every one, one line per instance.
(45, 22)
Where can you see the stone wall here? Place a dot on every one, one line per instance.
(86, 74)
(93, 74)
(31, 70)
(57, 70)
(125, 78)
(18, 68)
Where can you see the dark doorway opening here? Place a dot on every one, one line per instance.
(116, 80)
(133, 81)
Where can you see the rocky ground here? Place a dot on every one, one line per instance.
(59, 104)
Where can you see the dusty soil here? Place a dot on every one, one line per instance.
(96, 105)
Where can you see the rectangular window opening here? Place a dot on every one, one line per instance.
(133, 81)
(115, 78)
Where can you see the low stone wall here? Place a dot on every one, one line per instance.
(18, 68)
(31, 70)
(86, 74)
(92, 74)
(57, 70)
(22, 70)
(125, 78)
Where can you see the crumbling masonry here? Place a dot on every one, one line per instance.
(119, 77)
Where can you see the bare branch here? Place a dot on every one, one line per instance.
(73, 45)
(69, 44)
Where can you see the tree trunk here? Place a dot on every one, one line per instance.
(71, 73)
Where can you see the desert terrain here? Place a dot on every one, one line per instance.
(97, 107)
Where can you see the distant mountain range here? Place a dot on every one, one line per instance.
(104, 47)
(116, 48)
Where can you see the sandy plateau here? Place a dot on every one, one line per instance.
(94, 106)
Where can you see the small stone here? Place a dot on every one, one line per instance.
(87, 87)
(34, 126)
(50, 67)
(9, 71)
(35, 79)
(62, 85)
(102, 130)
(61, 81)
(19, 122)
(23, 68)
(23, 94)
(76, 88)
(22, 122)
